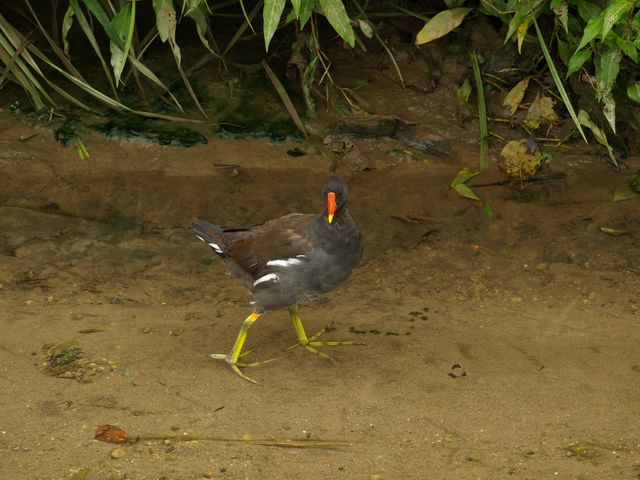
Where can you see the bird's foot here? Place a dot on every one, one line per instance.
(236, 365)
(312, 344)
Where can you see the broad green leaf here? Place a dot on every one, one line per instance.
(463, 176)
(514, 97)
(577, 60)
(633, 91)
(628, 47)
(271, 18)
(598, 133)
(609, 110)
(337, 15)
(98, 12)
(67, 22)
(563, 51)
(306, 9)
(591, 31)
(607, 70)
(464, 91)
(166, 24)
(122, 24)
(561, 9)
(465, 192)
(443, 23)
(165, 19)
(296, 7)
(613, 14)
(588, 9)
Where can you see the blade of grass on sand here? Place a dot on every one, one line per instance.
(558, 81)
(482, 113)
(285, 98)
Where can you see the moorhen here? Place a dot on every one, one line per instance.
(288, 261)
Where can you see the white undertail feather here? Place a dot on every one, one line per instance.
(285, 263)
(266, 278)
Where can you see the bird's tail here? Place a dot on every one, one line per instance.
(210, 234)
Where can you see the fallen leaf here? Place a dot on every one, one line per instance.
(111, 434)
(519, 161)
(613, 232)
(516, 94)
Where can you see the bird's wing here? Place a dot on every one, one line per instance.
(262, 249)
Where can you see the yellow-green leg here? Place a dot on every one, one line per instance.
(236, 352)
(311, 343)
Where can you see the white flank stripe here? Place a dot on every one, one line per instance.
(266, 278)
(215, 247)
(284, 263)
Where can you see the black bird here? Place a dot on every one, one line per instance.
(288, 261)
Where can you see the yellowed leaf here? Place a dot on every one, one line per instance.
(516, 94)
(519, 161)
(522, 31)
(441, 24)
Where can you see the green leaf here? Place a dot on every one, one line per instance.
(614, 13)
(366, 28)
(633, 91)
(464, 91)
(67, 22)
(296, 7)
(628, 47)
(465, 192)
(587, 9)
(122, 25)
(271, 18)
(591, 31)
(557, 80)
(486, 207)
(598, 133)
(561, 9)
(443, 23)
(607, 70)
(577, 60)
(337, 15)
(463, 176)
(166, 24)
(306, 9)
(563, 51)
(98, 12)
(200, 16)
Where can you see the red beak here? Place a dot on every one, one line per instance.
(331, 206)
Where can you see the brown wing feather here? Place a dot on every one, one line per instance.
(282, 238)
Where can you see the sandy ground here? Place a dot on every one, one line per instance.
(502, 348)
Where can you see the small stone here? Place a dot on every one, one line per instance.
(542, 266)
(118, 453)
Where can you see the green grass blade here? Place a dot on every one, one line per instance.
(558, 81)
(285, 98)
(482, 113)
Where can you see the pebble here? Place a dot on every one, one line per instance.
(118, 453)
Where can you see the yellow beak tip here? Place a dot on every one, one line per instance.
(330, 218)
